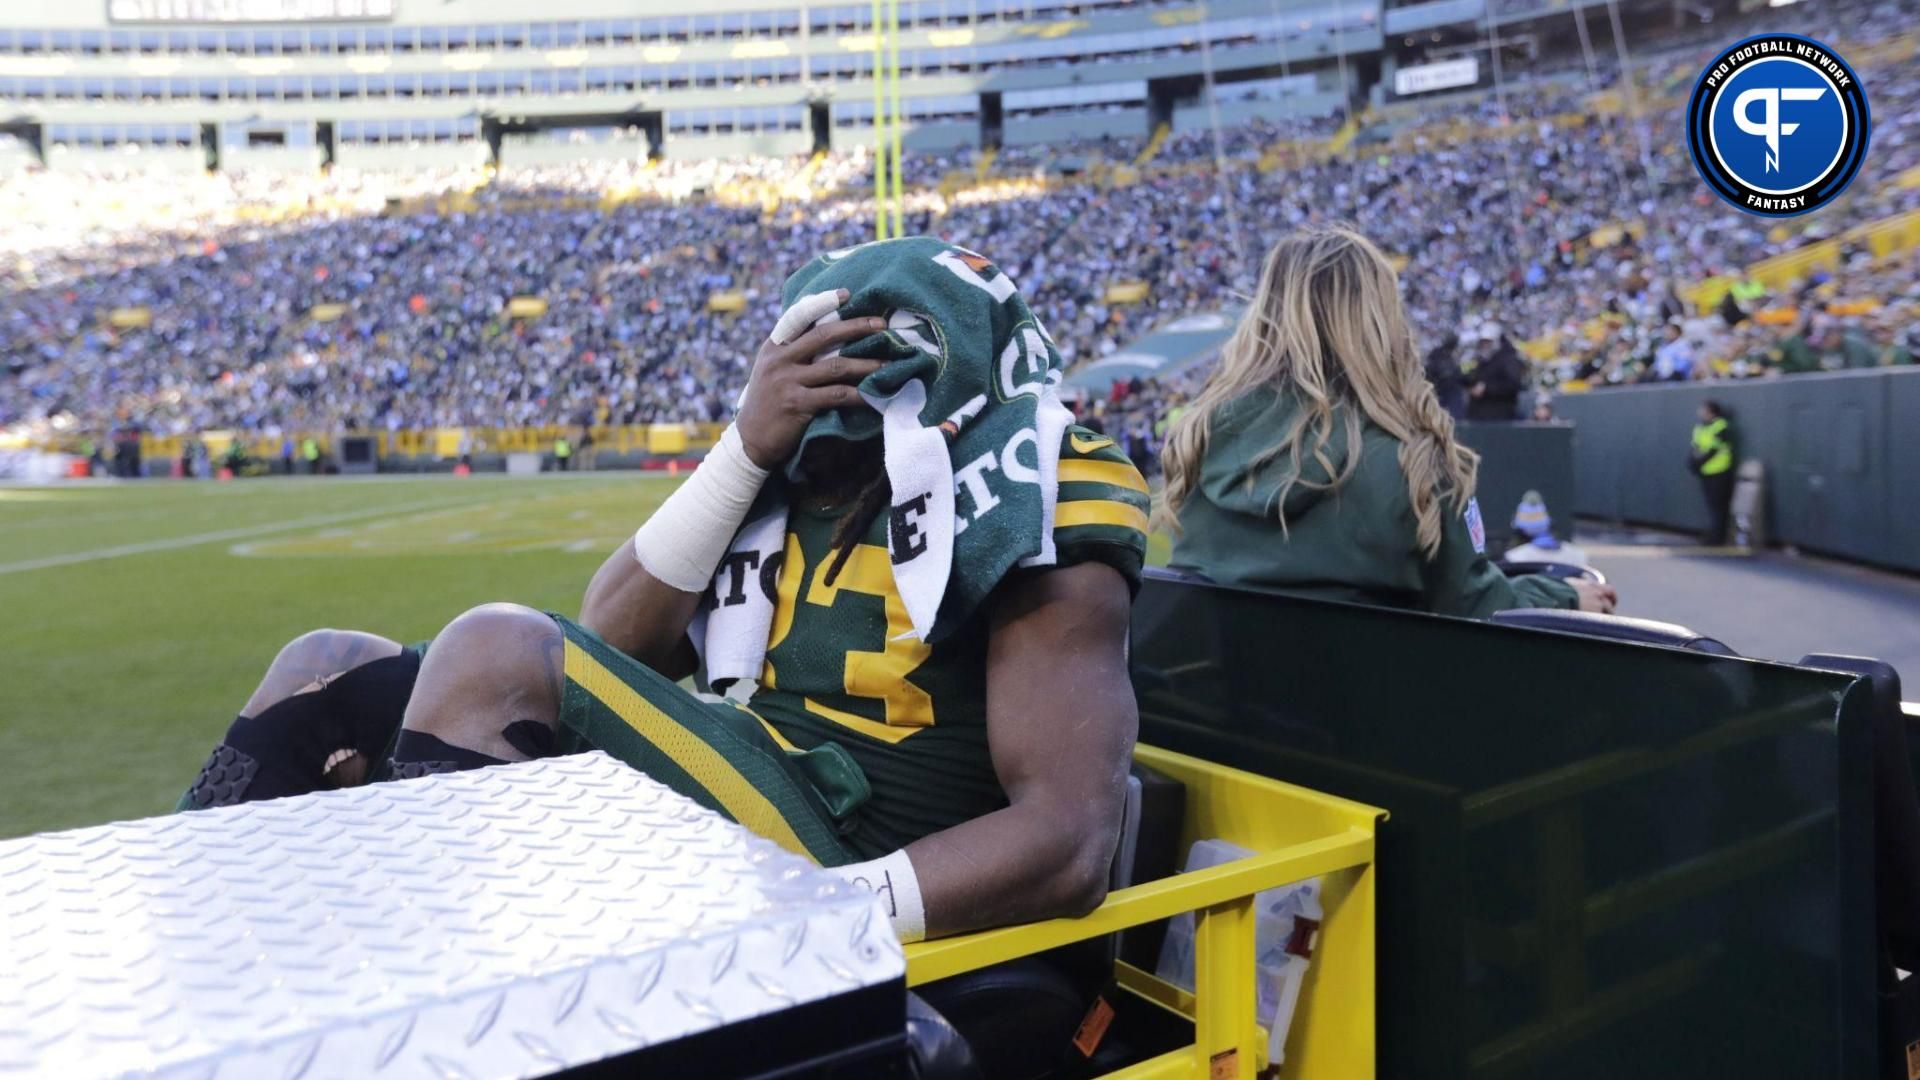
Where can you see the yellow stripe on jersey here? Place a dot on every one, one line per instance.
(742, 801)
(1099, 512)
(1112, 473)
(785, 744)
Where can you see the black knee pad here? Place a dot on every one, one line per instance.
(284, 750)
(372, 699)
(417, 753)
(224, 780)
(281, 752)
(412, 770)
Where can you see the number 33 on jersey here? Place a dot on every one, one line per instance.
(841, 659)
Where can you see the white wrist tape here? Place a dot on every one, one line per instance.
(683, 542)
(811, 310)
(891, 878)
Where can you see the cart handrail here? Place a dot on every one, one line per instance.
(1295, 834)
(930, 961)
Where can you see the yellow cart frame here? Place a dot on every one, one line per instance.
(1295, 834)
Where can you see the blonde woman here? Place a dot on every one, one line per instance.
(1317, 460)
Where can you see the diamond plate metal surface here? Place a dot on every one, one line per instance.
(505, 922)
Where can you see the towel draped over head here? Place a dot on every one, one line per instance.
(969, 421)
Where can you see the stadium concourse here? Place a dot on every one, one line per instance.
(1515, 221)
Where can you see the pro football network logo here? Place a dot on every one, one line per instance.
(1778, 125)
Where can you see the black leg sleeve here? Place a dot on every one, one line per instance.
(416, 753)
(284, 750)
(281, 752)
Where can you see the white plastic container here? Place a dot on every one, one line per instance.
(1286, 930)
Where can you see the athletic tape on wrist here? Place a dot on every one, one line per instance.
(683, 542)
(891, 878)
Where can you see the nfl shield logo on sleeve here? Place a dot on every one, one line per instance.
(1476, 527)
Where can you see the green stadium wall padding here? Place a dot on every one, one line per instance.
(1516, 459)
(1842, 452)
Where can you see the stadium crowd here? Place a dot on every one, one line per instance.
(314, 303)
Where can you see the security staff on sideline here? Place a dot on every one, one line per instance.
(1713, 458)
(310, 452)
(1317, 459)
(562, 453)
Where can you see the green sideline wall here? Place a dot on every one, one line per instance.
(1518, 458)
(1842, 452)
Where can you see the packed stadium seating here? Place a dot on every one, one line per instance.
(1556, 206)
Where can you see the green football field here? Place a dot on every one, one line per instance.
(138, 617)
(135, 619)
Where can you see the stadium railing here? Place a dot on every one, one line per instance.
(420, 446)
(1887, 236)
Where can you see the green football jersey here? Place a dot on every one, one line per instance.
(842, 665)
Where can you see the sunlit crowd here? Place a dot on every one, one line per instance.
(275, 303)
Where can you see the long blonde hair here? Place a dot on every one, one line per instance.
(1328, 330)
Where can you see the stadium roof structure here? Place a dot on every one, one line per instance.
(1175, 347)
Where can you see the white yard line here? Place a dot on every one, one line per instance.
(253, 487)
(197, 539)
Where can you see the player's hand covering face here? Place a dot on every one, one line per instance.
(799, 373)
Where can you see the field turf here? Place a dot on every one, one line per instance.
(136, 618)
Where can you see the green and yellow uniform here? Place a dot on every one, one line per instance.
(859, 738)
(1794, 356)
(1358, 542)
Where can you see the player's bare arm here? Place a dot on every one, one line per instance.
(1061, 721)
(796, 376)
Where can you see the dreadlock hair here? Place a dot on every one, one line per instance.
(832, 469)
(874, 497)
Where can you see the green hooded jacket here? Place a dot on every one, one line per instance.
(1793, 356)
(1358, 543)
(1857, 352)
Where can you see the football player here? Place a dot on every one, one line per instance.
(973, 779)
